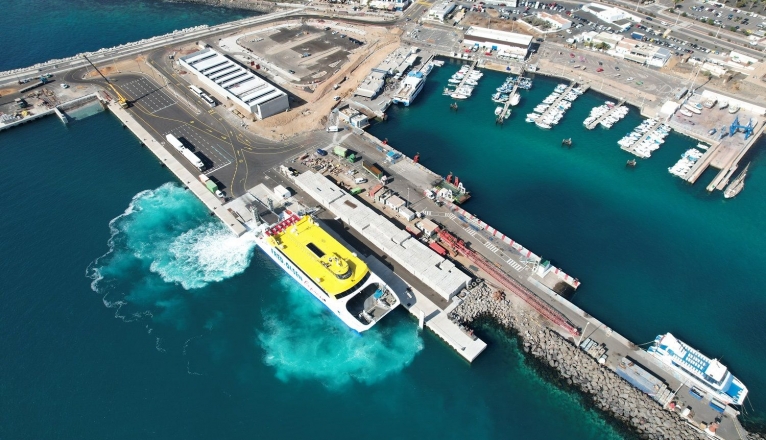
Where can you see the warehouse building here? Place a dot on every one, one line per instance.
(440, 11)
(233, 82)
(505, 43)
(438, 273)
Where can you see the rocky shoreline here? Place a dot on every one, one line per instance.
(255, 5)
(607, 391)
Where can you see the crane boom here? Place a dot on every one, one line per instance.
(120, 99)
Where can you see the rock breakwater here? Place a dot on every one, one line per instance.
(607, 391)
(255, 5)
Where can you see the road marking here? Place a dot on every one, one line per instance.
(511, 262)
(163, 108)
(470, 231)
(490, 246)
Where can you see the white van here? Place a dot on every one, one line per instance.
(360, 180)
(333, 128)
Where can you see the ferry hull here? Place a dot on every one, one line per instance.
(337, 307)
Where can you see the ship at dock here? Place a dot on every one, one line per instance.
(702, 374)
(335, 275)
(411, 87)
(736, 185)
(452, 190)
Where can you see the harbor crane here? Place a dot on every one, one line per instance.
(120, 99)
(736, 126)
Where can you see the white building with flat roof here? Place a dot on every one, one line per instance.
(238, 84)
(440, 11)
(609, 14)
(556, 21)
(438, 273)
(509, 43)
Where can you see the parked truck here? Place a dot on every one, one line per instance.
(172, 140)
(637, 36)
(344, 153)
(374, 170)
(193, 158)
(210, 185)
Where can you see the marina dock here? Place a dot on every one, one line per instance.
(554, 105)
(632, 148)
(467, 76)
(612, 111)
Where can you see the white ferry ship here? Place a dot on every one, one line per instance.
(337, 277)
(411, 86)
(708, 375)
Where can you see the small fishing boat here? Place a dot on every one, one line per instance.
(631, 163)
(712, 131)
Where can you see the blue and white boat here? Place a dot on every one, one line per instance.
(411, 86)
(697, 370)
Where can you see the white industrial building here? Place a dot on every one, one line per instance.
(440, 11)
(228, 79)
(439, 274)
(609, 14)
(557, 22)
(505, 43)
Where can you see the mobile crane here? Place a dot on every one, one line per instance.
(120, 99)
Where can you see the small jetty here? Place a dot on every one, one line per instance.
(606, 115)
(645, 138)
(467, 78)
(555, 105)
(687, 162)
(513, 100)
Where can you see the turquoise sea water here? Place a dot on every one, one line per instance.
(653, 253)
(127, 312)
(40, 30)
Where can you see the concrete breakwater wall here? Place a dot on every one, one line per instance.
(254, 5)
(608, 392)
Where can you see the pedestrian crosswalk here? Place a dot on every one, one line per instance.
(511, 262)
(490, 246)
(471, 232)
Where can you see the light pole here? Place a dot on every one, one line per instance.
(587, 323)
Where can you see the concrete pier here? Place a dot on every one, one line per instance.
(632, 148)
(613, 110)
(184, 176)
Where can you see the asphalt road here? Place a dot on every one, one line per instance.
(234, 157)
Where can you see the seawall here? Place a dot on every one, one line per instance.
(607, 391)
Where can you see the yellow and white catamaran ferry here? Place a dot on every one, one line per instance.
(332, 273)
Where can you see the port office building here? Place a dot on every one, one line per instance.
(228, 79)
(506, 43)
(436, 272)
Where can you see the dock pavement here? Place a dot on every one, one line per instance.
(188, 179)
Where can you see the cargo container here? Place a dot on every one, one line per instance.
(373, 169)
(344, 153)
(210, 185)
(436, 247)
(637, 36)
(172, 140)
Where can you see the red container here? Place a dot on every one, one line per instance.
(438, 249)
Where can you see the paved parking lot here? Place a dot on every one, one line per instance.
(207, 147)
(152, 98)
(650, 79)
(309, 53)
